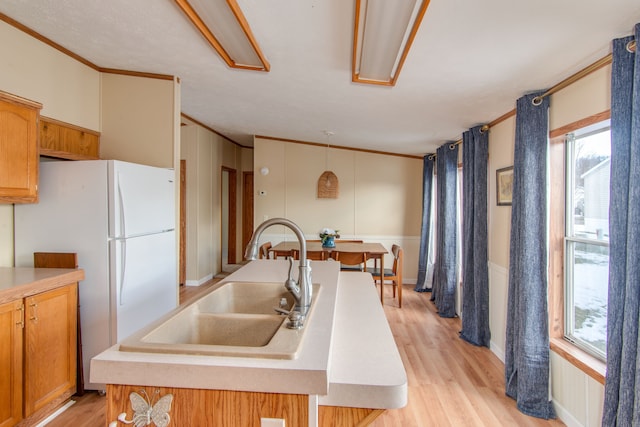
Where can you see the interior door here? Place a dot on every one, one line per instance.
(229, 220)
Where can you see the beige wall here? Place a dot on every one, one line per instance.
(67, 89)
(380, 196)
(138, 119)
(577, 397)
(205, 153)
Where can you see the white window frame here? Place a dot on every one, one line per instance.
(570, 240)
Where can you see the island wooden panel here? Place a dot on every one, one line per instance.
(336, 416)
(209, 408)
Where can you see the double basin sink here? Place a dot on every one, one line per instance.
(237, 319)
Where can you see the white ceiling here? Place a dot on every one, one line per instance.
(469, 63)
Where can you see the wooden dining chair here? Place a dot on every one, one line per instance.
(264, 251)
(65, 260)
(312, 255)
(284, 254)
(351, 261)
(393, 274)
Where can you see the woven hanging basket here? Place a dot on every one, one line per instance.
(328, 186)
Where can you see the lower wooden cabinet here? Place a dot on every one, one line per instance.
(41, 330)
(50, 347)
(11, 333)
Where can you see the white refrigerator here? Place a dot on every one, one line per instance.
(120, 219)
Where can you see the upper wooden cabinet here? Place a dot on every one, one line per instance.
(66, 141)
(19, 154)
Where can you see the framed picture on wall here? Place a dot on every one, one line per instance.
(504, 186)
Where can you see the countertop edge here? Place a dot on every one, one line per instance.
(23, 282)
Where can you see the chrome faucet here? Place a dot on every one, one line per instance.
(302, 289)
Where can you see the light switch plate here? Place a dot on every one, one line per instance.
(272, 422)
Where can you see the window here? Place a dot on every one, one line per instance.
(588, 155)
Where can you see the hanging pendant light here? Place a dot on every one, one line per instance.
(328, 184)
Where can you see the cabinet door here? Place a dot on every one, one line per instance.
(66, 141)
(50, 347)
(19, 153)
(11, 327)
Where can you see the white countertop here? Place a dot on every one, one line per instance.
(348, 355)
(23, 282)
(366, 369)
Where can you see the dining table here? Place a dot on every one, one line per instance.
(373, 250)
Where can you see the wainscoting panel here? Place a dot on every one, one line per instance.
(498, 291)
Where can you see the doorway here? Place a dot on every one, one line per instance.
(228, 215)
(182, 265)
(247, 207)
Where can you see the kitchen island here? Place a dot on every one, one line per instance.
(347, 371)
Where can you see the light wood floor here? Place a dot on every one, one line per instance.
(451, 382)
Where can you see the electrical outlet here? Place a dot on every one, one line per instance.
(272, 422)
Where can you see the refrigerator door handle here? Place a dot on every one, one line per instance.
(121, 209)
(123, 267)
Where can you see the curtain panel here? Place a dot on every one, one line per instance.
(475, 272)
(527, 337)
(445, 274)
(621, 397)
(423, 284)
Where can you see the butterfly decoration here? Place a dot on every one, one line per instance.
(145, 412)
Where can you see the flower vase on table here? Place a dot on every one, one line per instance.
(328, 236)
(329, 242)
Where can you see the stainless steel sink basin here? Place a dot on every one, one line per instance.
(236, 319)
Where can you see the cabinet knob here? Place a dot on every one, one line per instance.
(21, 321)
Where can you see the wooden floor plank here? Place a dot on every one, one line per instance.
(451, 382)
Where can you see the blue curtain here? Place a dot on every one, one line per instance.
(475, 273)
(527, 339)
(427, 184)
(445, 275)
(621, 396)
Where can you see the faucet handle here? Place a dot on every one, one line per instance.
(295, 320)
(289, 277)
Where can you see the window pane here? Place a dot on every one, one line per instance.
(587, 238)
(591, 167)
(590, 279)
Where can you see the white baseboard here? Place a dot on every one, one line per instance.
(199, 282)
(55, 414)
(497, 350)
(565, 416)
